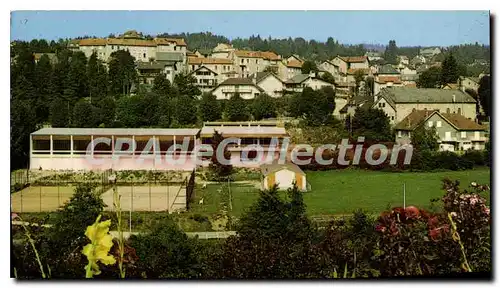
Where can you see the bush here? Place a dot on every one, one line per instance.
(474, 156)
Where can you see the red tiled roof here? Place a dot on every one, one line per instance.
(268, 55)
(385, 79)
(354, 59)
(294, 64)
(177, 41)
(92, 42)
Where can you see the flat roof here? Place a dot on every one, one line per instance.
(242, 130)
(116, 131)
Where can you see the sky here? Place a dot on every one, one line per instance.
(408, 28)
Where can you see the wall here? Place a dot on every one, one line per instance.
(272, 86)
(384, 106)
(467, 109)
(226, 91)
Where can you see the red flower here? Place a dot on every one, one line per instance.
(412, 212)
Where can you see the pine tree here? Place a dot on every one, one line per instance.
(449, 70)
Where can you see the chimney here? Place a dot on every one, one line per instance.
(454, 98)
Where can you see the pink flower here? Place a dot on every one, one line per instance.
(13, 216)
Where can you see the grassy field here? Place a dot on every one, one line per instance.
(338, 192)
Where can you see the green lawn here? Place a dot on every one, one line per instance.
(338, 192)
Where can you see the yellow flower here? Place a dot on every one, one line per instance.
(98, 249)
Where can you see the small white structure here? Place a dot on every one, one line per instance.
(284, 175)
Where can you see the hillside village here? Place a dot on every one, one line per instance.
(226, 71)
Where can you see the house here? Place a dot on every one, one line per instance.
(451, 86)
(385, 81)
(455, 132)
(147, 71)
(399, 102)
(217, 66)
(388, 70)
(206, 79)
(373, 55)
(403, 60)
(297, 83)
(354, 62)
(245, 87)
(358, 101)
(248, 134)
(418, 60)
(269, 82)
(469, 83)
(222, 50)
(409, 79)
(250, 62)
(140, 48)
(430, 52)
(329, 67)
(283, 175)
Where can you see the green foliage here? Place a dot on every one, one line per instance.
(430, 78)
(425, 139)
(314, 106)
(219, 171)
(209, 108)
(161, 85)
(59, 113)
(122, 73)
(391, 53)
(97, 79)
(328, 77)
(484, 92)
(263, 106)
(236, 109)
(83, 116)
(449, 70)
(184, 110)
(166, 252)
(308, 67)
(373, 124)
(186, 85)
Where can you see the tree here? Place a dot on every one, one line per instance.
(76, 84)
(83, 116)
(43, 76)
(308, 67)
(315, 107)
(430, 78)
(274, 240)
(328, 77)
(263, 107)
(186, 85)
(184, 110)
(22, 124)
(371, 123)
(484, 92)
(370, 85)
(161, 85)
(106, 109)
(122, 73)
(59, 113)
(129, 111)
(391, 53)
(236, 109)
(219, 171)
(425, 139)
(175, 254)
(449, 70)
(209, 108)
(98, 78)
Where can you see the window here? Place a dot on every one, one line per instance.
(392, 118)
(476, 135)
(248, 61)
(448, 110)
(463, 134)
(256, 61)
(459, 111)
(430, 123)
(175, 48)
(242, 61)
(447, 135)
(399, 134)
(438, 124)
(143, 55)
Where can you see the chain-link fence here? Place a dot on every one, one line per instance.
(138, 191)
